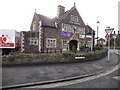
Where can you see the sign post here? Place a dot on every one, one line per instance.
(108, 33)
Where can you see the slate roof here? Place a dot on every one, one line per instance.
(46, 21)
(89, 30)
(50, 22)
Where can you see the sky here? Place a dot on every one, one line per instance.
(18, 14)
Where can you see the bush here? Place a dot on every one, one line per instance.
(66, 54)
(73, 49)
(98, 48)
(82, 48)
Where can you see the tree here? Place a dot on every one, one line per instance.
(73, 49)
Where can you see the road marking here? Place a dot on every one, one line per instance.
(117, 77)
(75, 81)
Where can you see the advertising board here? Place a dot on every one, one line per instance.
(7, 38)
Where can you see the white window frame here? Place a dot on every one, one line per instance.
(74, 18)
(51, 43)
(33, 41)
(64, 44)
(67, 28)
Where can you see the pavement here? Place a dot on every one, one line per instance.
(39, 73)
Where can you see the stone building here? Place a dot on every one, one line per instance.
(90, 37)
(63, 32)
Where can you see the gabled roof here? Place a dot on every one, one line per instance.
(50, 22)
(46, 21)
(89, 30)
(68, 12)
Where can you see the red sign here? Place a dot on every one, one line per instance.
(5, 41)
(18, 44)
(109, 31)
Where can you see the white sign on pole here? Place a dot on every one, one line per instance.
(114, 36)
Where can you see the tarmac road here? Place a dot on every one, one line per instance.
(109, 81)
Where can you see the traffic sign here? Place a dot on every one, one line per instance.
(114, 36)
(109, 31)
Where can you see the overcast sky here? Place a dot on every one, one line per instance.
(18, 14)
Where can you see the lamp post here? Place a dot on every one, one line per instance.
(108, 45)
(114, 37)
(97, 30)
(92, 40)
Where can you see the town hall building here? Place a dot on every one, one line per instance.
(63, 32)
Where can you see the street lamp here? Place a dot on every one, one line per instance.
(97, 30)
(92, 40)
(114, 37)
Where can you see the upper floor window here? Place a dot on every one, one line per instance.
(80, 30)
(67, 28)
(33, 41)
(74, 18)
(34, 25)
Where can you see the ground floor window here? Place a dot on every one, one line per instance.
(51, 43)
(64, 44)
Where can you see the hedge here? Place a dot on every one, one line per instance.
(23, 58)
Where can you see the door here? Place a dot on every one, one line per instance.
(73, 43)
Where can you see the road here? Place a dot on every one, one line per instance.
(39, 73)
(109, 81)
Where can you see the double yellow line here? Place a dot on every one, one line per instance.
(60, 84)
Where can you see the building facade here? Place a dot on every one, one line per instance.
(63, 32)
(90, 37)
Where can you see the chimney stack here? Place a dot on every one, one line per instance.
(61, 10)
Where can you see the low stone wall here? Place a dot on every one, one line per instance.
(64, 57)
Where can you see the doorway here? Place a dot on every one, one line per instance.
(72, 43)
